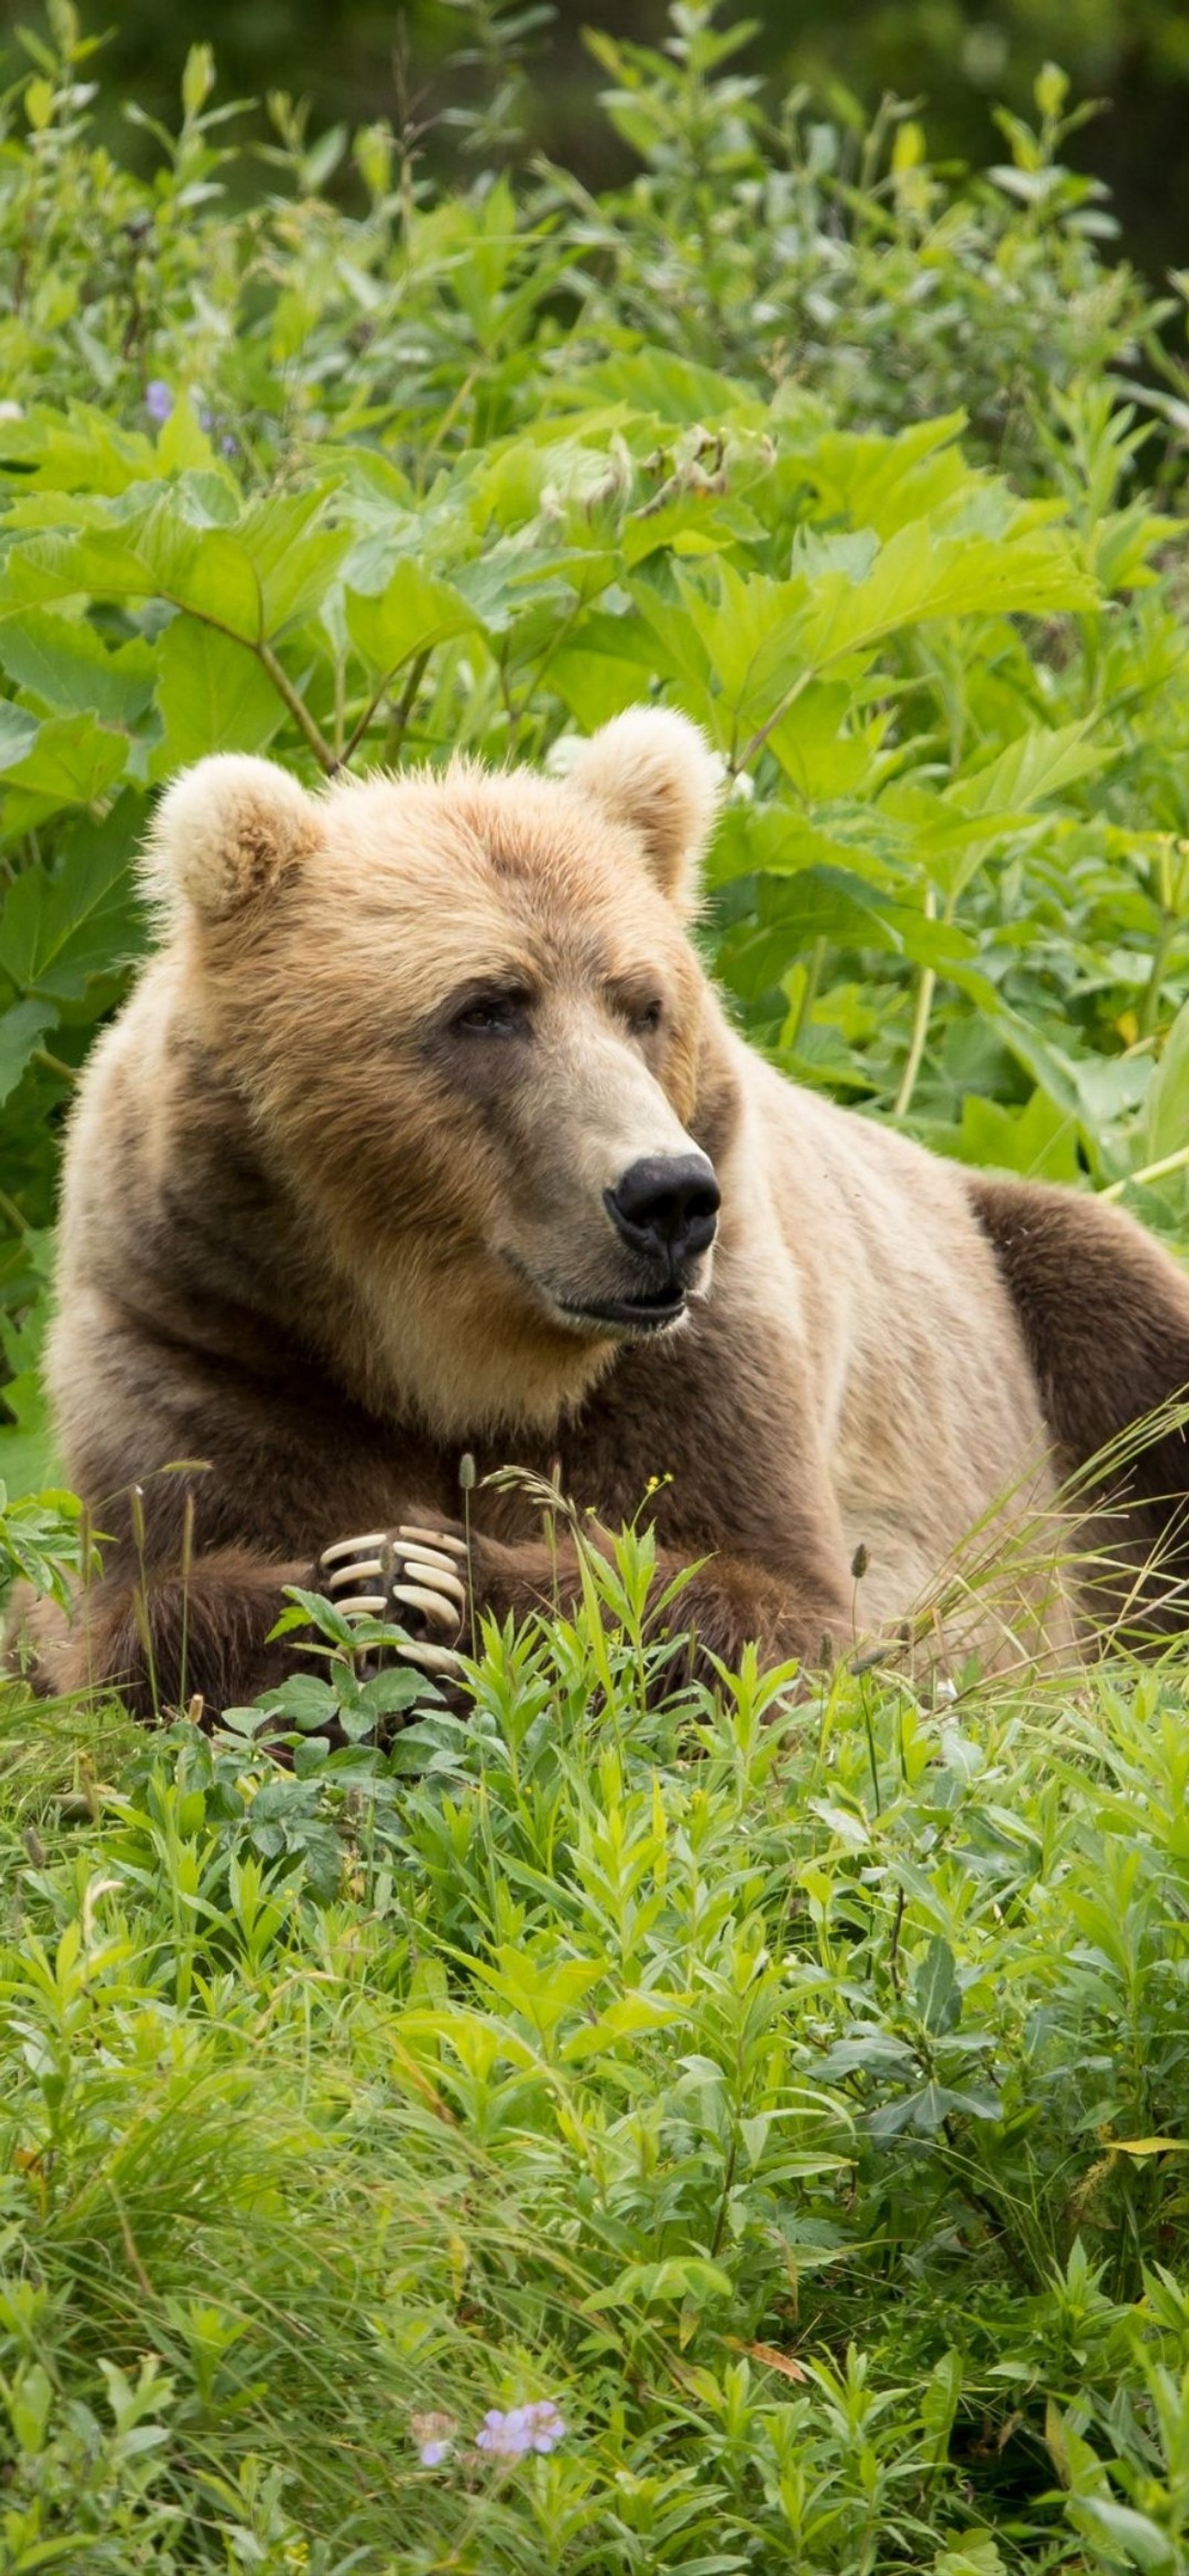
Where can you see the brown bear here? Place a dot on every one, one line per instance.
(424, 1133)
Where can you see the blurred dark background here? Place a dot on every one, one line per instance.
(958, 56)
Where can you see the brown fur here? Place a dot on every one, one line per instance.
(327, 1226)
(1105, 1318)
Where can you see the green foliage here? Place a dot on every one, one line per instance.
(475, 469)
(793, 2092)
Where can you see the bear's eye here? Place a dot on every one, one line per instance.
(501, 1014)
(648, 1015)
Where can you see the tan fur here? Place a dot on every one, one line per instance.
(650, 769)
(323, 1235)
(224, 833)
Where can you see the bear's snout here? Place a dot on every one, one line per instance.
(665, 1207)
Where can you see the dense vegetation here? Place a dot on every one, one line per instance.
(798, 2110)
(360, 58)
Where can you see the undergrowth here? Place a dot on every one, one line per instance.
(789, 2092)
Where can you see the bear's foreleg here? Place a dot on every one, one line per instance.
(161, 1640)
(439, 1583)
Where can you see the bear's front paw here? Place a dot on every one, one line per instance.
(412, 1575)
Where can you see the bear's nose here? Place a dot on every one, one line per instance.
(666, 1206)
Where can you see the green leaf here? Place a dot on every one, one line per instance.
(18, 733)
(1166, 1119)
(293, 557)
(681, 2277)
(213, 695)
(653, 381)
(935, 1987)
(939, 2405)
(1129, 2535)
(58, 930)
(1039, 1141)
(83, 451)
(414, 613)
(20, 1030)
(74, 761)
(154, 553)
(64, 663)
(1037, 764)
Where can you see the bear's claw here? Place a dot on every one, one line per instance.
(409, 1570)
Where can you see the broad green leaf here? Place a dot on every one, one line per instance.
(918, 576)
(294, 557)
(28, 1458)
(83, 451)
(213, 696)
(21, 1028)
(880, 483)
(182, 442)
(207, 570)
(1123, 2533)
(1040, 1142)
(64, 663)
(543, 1991)
(628, 2018)
(154, 554)
(58, 930)
(939, 2404)
(1037, 764)
(822, 750)
(74, 761)
(653, 381)
(593, 686)
(973, 2557)
(414, 613)
(18, 733)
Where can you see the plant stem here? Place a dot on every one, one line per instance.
(1149, 1008)
(809, 991)
(298, 709)
(1177, 1162)
(920, 1026)
(53, 1064)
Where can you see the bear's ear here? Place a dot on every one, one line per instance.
(653, 770)
(225, 832)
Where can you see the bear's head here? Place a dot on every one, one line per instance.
(470, 1035)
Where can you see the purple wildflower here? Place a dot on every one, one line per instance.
(522, 2429)
(434, 2437)
(158, 400)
